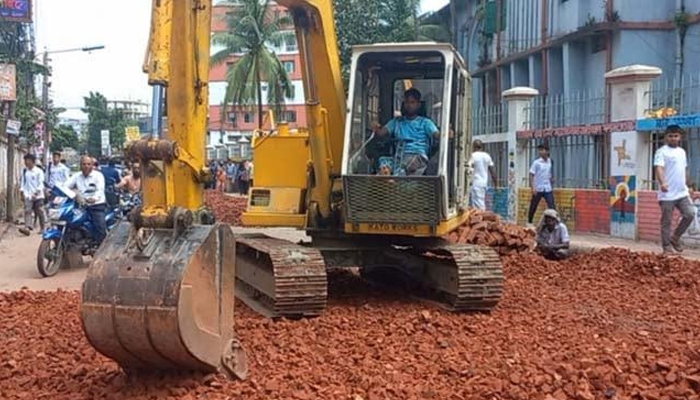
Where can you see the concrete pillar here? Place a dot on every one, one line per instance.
(518, 99)
(629, 151)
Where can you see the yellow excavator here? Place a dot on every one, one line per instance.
(159, 293)
(324, 179)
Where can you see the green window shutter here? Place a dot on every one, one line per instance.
(502, 26)
(490, 18)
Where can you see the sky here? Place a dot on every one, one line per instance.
(122, 27)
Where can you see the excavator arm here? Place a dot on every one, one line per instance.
(159, 293)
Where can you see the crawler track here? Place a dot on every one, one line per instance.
(278, 278)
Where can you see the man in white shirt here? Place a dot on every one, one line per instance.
(482, 164)
(58, 173)
(33, 194)
(541, 179)
(671, 167)
(90, 185)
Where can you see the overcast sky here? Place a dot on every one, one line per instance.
(122, 27)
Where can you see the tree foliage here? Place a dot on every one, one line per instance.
(101, 117)
(64, 136)
(382, 21)
(251, 27)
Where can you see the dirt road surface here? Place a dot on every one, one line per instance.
(18, 266)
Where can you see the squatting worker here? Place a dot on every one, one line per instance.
(552, 237)
(541, 180)
(416, 131)
(32, 194)
(671, 167)
(482, 163)
(90, 185)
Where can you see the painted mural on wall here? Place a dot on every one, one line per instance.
(623, 184)
(512, 199)
(624, 153)
(623, 205)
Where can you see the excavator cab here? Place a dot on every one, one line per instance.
(397, 204)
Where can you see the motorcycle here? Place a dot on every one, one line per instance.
(71, 230)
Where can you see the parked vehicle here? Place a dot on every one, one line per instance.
(71, 230)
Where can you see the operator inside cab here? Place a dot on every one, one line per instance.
(416, 134)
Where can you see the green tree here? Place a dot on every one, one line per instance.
(382, 21)
(64, 136)
(100, 117)
(251, 27)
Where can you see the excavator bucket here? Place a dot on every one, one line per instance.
(166, 303)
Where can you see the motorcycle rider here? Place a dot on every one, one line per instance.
(90, 185)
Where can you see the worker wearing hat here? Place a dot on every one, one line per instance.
(552, 237)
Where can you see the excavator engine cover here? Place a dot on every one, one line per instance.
(166, 303)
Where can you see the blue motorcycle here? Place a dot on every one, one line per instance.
(71, 230)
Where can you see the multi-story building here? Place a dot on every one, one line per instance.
(566, 46)
(230, 136)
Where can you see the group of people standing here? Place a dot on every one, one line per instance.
(552, 235)
(239, 175)
(553, 240)
(92, 185)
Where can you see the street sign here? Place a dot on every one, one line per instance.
(105, 138)
(105, 142)
(132, 133)
(8, 82)
(12, 127)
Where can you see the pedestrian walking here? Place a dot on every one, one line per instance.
(57, 174)
(541, 180)
(32, 194)
(482, 164)
(243, 178)
(671, 166)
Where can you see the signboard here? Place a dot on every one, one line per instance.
(12, 127)
(132, 133)
(623, 157)
(684, 121)
(8, 82)
(16, 10)
(105, 138)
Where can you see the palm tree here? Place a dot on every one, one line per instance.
(404, 23)
(251, 28)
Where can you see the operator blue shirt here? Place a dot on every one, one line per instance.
(417, 132)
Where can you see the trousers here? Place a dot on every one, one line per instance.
(687, 210)
(536, 198)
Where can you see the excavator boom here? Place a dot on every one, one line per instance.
(159, 293)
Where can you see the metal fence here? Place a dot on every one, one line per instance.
(679, 95)
(554, 111)
(579, 161)
(490, 119)
(499, 153)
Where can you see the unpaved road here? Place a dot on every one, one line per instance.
(18, 266)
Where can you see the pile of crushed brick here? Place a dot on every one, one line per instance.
(607, 325)
(226, 208)
(488, 229)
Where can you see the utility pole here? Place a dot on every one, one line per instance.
(45, 105)
(10, 217)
